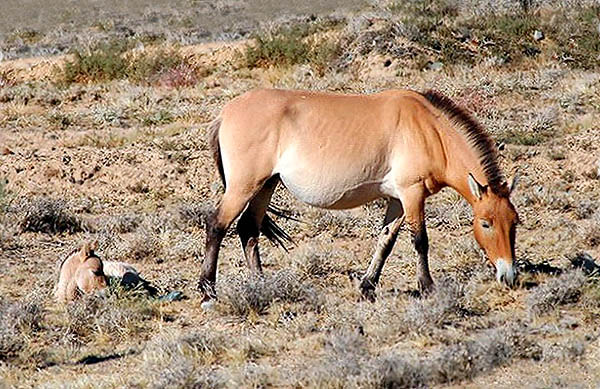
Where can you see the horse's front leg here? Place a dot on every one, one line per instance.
(391, 225)
(421, 242)
(414, 203)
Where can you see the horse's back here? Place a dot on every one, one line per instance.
(330, 150)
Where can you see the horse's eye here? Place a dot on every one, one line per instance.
(485, 224)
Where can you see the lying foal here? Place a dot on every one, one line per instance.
(84, 272)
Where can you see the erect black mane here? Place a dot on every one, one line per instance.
(476, 136)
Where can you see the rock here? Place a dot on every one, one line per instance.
(6, 151)
(538, 35)
(208, 305)
(435, 66)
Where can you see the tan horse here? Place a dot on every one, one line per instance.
(83, 272)
(341, 151)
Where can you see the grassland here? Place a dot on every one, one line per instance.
(105, 140)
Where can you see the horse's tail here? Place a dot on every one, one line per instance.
(268, 227)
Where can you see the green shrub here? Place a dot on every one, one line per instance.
(293, 45)
(102, 63)
(114, 61)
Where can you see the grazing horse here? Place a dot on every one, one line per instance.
(340, 151)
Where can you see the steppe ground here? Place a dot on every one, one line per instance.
(103, 118)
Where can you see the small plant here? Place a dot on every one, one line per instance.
(104, 62)
(18, 321)
(48, 215)
(562, 290)
(242, 295)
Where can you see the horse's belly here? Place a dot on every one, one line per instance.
(323, 193)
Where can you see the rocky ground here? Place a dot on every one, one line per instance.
(106, 140)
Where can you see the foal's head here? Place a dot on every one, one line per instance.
(494, 225)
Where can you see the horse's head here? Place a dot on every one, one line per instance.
(494, 225)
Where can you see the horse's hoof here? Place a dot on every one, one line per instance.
(370, 296)
(367, 291)
(425, 287)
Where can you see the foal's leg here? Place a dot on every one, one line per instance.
(391, 225)
(231, 206)
(248, 226)
(414, 204)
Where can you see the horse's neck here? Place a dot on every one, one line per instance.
(461, 160)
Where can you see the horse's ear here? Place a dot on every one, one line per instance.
(88, 248)
(513, 183)
(476, 188)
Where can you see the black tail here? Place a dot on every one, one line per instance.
(268, 227)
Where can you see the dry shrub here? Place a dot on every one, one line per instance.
(240, 295)
(117, 313)
(592, 235)
(567, 351)
(185, 246)
(119, 224)
(313, 262)
(454, 363)
(179, 361)
(18, 322)
(194, 214)
(442, 305)
(182, 75)
(565, 289)
(44, 214)
(347, 362)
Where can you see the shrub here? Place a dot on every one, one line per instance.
(556, 291)
(436, 309)
(101, 63)
(48, 215)
(114, 61)
(18, 321)
(241, 295)
(293, 45)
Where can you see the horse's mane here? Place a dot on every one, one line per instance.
(476, 136)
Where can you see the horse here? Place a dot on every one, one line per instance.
(83, 272)
(339, 151)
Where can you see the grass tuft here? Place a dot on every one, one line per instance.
(118, 315)
(565, 289)
(243, 295)
(18, 321)
(115, 61)
(47, 215)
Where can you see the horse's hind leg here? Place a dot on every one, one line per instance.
(391, 225)
(248, 226)
(231, 206)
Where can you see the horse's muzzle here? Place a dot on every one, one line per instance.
(505, 272)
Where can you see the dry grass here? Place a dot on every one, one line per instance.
(565, 289)
(47, 215)
(119, 155)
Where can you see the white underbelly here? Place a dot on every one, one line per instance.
(328, 194)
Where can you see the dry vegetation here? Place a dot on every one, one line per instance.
(107, 142)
